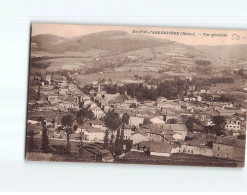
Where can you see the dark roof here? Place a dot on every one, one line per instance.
(160, 147)
(197, 127)
(175, 127)
(151, 129)
(230, 142)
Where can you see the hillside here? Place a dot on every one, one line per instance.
(110, 41)
(44, 41)
(119, 51)
(233, 53)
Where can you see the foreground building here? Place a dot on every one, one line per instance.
(229, 148)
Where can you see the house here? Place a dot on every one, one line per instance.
(127, 132)
(138, 137)
(48, 79)
(98, 113)
(98, 124)
(63, 91)
(197, 128)
(169, 104)
(171, 136)
(233, 125)
(157, 120)
(180, 129)
(108, 158)
(33, 122)
(153, 133)
(136, 121)
(156, 148)
(229, 148)
(195, 149)
(51, 132)
(93, 134)
(53, 99)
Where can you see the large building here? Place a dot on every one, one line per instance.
(229, 148)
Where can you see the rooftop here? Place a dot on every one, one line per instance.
(160, 147)
(231, 141)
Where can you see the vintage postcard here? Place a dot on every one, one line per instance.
(142, 95)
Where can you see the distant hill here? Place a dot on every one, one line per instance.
(123, 51)
(111, 41)
(44, 41)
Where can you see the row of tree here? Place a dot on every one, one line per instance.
(168, 89)
(114, 123)
(112, 120)
(217, 128)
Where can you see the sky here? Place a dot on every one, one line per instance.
(187, 36)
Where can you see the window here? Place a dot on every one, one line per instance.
(218, 155)
(192, 151)
(218, 148)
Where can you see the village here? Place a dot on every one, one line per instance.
(111, 121)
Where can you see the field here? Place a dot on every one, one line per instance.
(177, 159)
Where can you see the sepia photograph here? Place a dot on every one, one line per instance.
(137, 95)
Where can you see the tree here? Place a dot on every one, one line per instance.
(117, 143)
(111, 147)
(133, 105)
(81, 145)
(67, 121)
(75, 127)
(189, 123)
(147, 121)
(112, 120)
(82, 115)
(125, 118)
(121, 143)
(172, 121)
(41, 119)
(219, 124)
(105, 145)
(31, 145)
(38, 96)
(45, 139)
